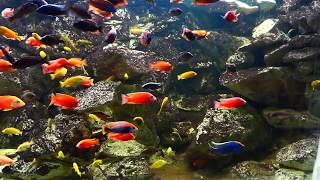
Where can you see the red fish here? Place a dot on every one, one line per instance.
(34, 43)
(8, 49)
(176, 1)
(88, 143)
(234, 102)
(54, 65)
(8, 103)
(162, 66)
(118, 3)
(7, 13)
(6, 66)
(6, 161)
(104, 14)
(121, 137)
(203, 2)
(231, 16)
(63, 100)
(138, 98)
(145, 38)
(119, 127)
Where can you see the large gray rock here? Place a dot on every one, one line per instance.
(299, 155)
(291, 174)
(254, 170)
(121, 149)
(242, 60)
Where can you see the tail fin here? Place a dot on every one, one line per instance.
(217, 105)
(52, 76)
(124, 99)
(179, 77)
(62, 85)
(97, 141)
(53, 99)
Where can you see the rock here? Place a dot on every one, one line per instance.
(300, 55)
(267, 26)
(245, 8)
(291, 174)
(254, 170)
(242, 60)
(275, 57)
(299, 155)
(120, 149)
(266, 5)
(268, 86)
(289, 118)
(292, 5)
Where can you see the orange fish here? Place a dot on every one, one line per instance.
(6, 66)
(105, 14)
(121, 137)
(203, 2)
(138, 98)
(35, 43)
(200, 34)
(77, 62)
(88, 143)
(54, 65)
(8, 103)
(6, 161)
(8, 49)
(118, 3)
(162, 66)
(63, 100)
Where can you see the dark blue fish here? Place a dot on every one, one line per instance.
(80, 11)
(175, 11)
(51, 40)
(103, 5)
(119, 127)
(53, 10)
(7, 55)
(29, 61)
(152, 86)
(111, 36)
(185, 56)
(226, 148)
(87, 25)
(39, 3)
(188, 35)
(23, 11)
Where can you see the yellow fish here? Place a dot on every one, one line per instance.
(96, 163)
(69, 42)
(43, 54)
(34, 161)
(59, 73)
(110, 78)
(138, 118)
(24, 146)
(65, 48)
(169, 152)
(126, 76)
(94, 117)
(315, 83)
(76, 81)
(60, 155)
(136, 30)
(50, 122)
(10, 34)
(163, 104)
(36, 36)
(76, 169)
(12, 131)
(84, 42)
(187, 75)
(158, 164)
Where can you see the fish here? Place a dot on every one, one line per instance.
(145, 38)
(200, 162)
(77, 62)
(54, 65)
(103, 5)
(43, 54)
(65, 48)
(188, 35)
(94, 117)
(49, 39)
(12, 131)
(158, 164)
(29, 61)
(315, 84)
(23, 11)
(2, 53)
(110, 78)
(226, 148)
(152, 86)
(53, 10)
(63, 100)
(97, 162)
(136, 30)
(6, 66)
(6, 161)
(7, 13)
(88, 143)
(69, 42)
(126, 76)
(118, 3)
(119, 127)
(10, 34)
(24, 146)
(162, 66)
(106, 15)
(28, 96)
(200, 34)
(60, 155)
(138, 98)
(231, 16)
(163, 104)
(80, 11)
(8, 103)
(76, 81)
(33, 42)
(175, 11)
(76, 169)
(139, 119)
(185, 56)
(235, 102)
(111, 36)
(203, 2)
(169, 152)
(292, 33)
(59, 73)
(187, 75)
(87, 26)
(176, 1)
(39, 2)
(6, 52)
(84, 42)
(121, 136)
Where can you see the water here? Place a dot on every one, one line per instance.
(275, 72)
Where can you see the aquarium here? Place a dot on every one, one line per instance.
(159, 89)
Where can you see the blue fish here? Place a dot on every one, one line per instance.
(53, 10)
(152, 86)
(39, 2)
(119, 127)
(226, 148)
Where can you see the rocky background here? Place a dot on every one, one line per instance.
(278, 126)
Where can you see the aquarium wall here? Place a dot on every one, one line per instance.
(159, 89)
